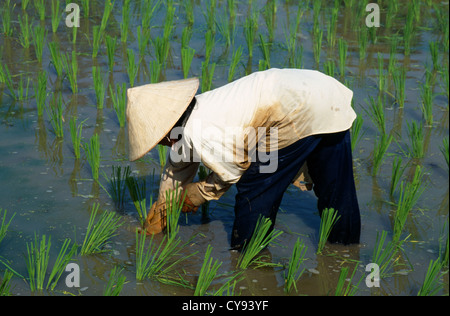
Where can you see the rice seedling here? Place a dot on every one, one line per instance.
(99, 87)
(162, 48)
(416, 137)
(2, 74)
(65, 254)
(148, 8)
(207, 75)
(138, 192)
(444, 76)
(37, 261)
(434, 53)
(110, 50)
(408, 31)
(329, 67)
(124, 26)
(329, 218)
(40, 91)
(56, 15)
(7, 79)
(155, 71)
(143, 39)
(186, 36)
(119, 98)
(157, 261)
(331, 27)
(250, 29)
(174, 203)
(410, 192)
(71, 69)
(381, 76)
(168, 22)
(356, 131)
(115, 283)
(39, 34)
(427, 100)
(396, 175)
(189, 11)
(25, 4)
(350, 289)
(162, 154)
(55, 53)
(295, 262)
(265, 50)
(75, 135)
(40, 8)
(210, 16)
(109, 6)
(297, 61)
(86, 7)
(25, 31)
(92, 150)
(362, 42)
(97, 38)
(317, 45)
(22, 90)
(432, 285)
(376, 113)
(55, 113)
(5, 285)
(187, 55)
(99, 232)
(385, 253)
(4, 224)
(343, 48)
(399, 78)
(380, 148)
(263, 235)
(235, 59)
(7, 12)
(207, 273)
(444, 150)
(209, 45)
(224, 27)
(392, 55)
(117, 184)
(269, 18)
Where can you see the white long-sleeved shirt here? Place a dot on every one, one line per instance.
(254, 117)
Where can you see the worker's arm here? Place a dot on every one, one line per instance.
(212, 188)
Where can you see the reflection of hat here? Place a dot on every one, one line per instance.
(153, 110)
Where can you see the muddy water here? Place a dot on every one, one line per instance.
(52, 193)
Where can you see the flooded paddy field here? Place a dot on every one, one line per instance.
(398, 72)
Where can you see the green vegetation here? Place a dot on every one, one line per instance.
(99, 232)
(329, 218)
(262, 236)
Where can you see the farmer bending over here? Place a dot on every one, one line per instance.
(262, 133)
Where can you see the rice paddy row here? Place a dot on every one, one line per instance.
(223, 33)
(160, 262)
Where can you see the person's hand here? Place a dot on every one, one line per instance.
(187, 206)
(192, 198)
(156, 219)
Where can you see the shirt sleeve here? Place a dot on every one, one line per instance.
(179, 174)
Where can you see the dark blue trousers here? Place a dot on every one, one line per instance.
(329, 161)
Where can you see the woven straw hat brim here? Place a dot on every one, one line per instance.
(153, 110)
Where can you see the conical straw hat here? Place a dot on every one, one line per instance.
(153, 110)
